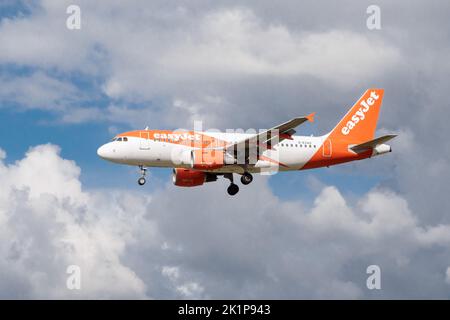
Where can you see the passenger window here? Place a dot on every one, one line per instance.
(125, 139)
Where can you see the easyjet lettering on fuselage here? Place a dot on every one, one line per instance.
(177, 136)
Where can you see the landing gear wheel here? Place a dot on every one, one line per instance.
(141, 180)
(233, 189)
(246, 178)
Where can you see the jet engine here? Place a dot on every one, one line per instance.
(191, 178)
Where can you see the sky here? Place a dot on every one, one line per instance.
(230, 64)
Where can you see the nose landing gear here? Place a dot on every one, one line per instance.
(141, 180)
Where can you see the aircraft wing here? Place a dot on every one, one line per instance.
(372, 143)
(263, 139)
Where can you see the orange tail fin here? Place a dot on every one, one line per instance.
(359, 124)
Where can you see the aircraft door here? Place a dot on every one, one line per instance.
(145, 140)
(327, 148)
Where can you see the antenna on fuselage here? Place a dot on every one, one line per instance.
(146, 128)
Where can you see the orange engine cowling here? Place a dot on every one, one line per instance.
(188, 178)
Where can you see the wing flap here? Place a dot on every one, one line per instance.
(282, 131)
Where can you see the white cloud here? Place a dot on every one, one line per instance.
(48, 223)
(190, 290)
(235, 42)
(186, 290)
(138, 58)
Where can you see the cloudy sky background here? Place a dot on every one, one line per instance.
(231, 64)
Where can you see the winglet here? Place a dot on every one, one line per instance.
(310, 117)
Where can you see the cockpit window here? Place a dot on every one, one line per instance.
(120, 139)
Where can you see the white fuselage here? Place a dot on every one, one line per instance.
(289, 154)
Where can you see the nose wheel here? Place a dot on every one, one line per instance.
(141, 180)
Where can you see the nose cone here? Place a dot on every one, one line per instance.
(108, 152)
(102, 152)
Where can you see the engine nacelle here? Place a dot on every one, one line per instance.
(191, 178)
(381, 149)
(188, 178)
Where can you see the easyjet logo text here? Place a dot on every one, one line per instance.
(360, 114)
(177, 136)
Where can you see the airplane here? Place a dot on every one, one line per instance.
(198, 157)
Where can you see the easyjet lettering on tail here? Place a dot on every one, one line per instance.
(360, 113)
(229, 154)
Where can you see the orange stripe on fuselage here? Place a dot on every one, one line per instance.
(340, 154)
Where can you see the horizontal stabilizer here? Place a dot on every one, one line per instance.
(372, 143)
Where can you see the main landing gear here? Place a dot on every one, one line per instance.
(233, 188)
(141, 180)
(246, 178)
